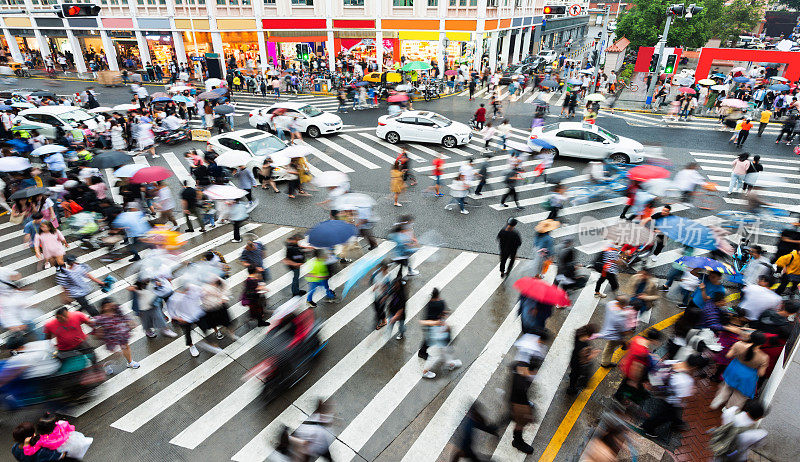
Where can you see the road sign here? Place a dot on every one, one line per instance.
(574, 9)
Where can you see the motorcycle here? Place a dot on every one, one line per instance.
(291, 345)
(429, 91)
(221, 124)
(170, 137)
(76, 377)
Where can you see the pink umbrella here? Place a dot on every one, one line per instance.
(451, 72)
(687, 90)
(150, 175)
(397, 98)
(647, 172)
(734, 103)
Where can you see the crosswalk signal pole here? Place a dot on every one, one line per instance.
(659, 51)
(603, 40)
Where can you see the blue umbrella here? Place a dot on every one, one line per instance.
(717, 75)
(358, 270)
(549, 83)
(220, 91)
(330, 233)
(709, 264)
(5, 107)
(160, 99)
(687, 232)
(181, 99)
(537, 142)
(741, 79)
(775, 87)
(362, 84)
(576, 82)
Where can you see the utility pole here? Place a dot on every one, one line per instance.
(603, 40)
(675, 10)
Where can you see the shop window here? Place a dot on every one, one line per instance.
(462, 2)
(433, 2)
(473, 2)
(403, 2)
(452, 2)
(303, 2)
(245, 2)
(269, 2)
(354, 2)
(233, 2)
(220, 2)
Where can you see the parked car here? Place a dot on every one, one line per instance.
(548, 55)
(258, 144)
(588, 141)
(47, 118)
(313, 121)
(424, 126)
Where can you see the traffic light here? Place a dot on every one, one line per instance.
(677, 10)
(693, 10)
(302, 51)
(75, 10)
(654, 62)
(669, 67)
(554, 9)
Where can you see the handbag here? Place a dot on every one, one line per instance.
(16, 218)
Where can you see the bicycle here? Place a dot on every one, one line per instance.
(704, 198)
(770, 221)
(627, 84)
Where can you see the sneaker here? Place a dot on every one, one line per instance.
(333, 300)
(193, 351)
(109, 370)
(599, 295)
(133, 365)
(150, 333)
(412, 272)
(220, 336)
(236, 241)
(455, 364)
(519, 207)
(302, 292)
(465, 212)
(399, 336)
(503, 205)
(168, 333)
(312, 303)
(429, 375)
(664, 288)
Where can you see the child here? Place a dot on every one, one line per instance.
(209, 212)
(23, 450)
(59, 436)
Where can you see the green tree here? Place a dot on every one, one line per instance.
(644, 22)
(793, 4)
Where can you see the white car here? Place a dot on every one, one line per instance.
(548, 55)
(313, 121)
(256, 143)
(47, 118)
(587, 141)
(424, 126)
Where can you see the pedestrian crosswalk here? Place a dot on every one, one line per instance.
(199, 407)
(707, 122)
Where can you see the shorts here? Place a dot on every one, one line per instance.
(438, 180)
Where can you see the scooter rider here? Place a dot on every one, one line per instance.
(29, 360)
(172, 122)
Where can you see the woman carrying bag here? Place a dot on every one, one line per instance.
(740, 378)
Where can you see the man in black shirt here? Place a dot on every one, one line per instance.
(434, 310)
(509, 240)
(789, 240)
(295, 257)
(189, 202)
(665, 212)
(530, 354)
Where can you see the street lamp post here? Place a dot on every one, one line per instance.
(603, 39)
(675, 10)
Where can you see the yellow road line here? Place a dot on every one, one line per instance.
(564, 429)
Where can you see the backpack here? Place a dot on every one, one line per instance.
(723, 440)
(597, 264)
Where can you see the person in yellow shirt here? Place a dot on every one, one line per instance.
(789, 265)
(318, 276)
(736, 130)
(763, 121)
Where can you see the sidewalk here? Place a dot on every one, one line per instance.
(629, 100)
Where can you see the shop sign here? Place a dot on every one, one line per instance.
(201, 135)
(212, 55)
(120, 34)
(161, 39)
(198, 58)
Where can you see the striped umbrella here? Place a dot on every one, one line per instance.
(708, 264)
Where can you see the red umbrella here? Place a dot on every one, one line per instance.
(150, 175)
(687, 90)
(451, 72)
(647, 172)
(539, 290)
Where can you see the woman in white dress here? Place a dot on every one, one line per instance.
(117, 139)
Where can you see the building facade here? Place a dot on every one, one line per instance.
(262, 32)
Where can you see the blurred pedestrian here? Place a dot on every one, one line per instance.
(114, 329)
(740, 378)
(396, 308)
(318, 275)
(252, 296)
(509, 240)
(580, 362)
(294, 259)
(397, 184)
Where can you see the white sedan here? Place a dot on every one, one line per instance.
(256, 144)
(311, 120)
(47, 118)
(424, 126)
(588, 141)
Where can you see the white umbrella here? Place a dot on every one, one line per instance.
(353, 201)
(233, 159)
(126, 107)
(779, 79)
(784, 45)
(48, 149)
(13, 164)
(100, 109)
(719, 87)
(280, 160)
(295, 150)
(330, 179)
(586, 71)
(765, 179)
(212, 83)
(22, 105)
(517, 146)
(179, 88)
(127, 171)
(224, 192)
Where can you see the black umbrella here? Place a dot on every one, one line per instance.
(224, 109)
(28, 192)
(220, 91)
(42, 93)
(558, 177)
(110, 159)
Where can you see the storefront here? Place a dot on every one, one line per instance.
(197, 44)
(419, 50)
(126, 47)
(284, 46)
(241, 47)
(161, 48)
(363, 49)
(460, 49)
